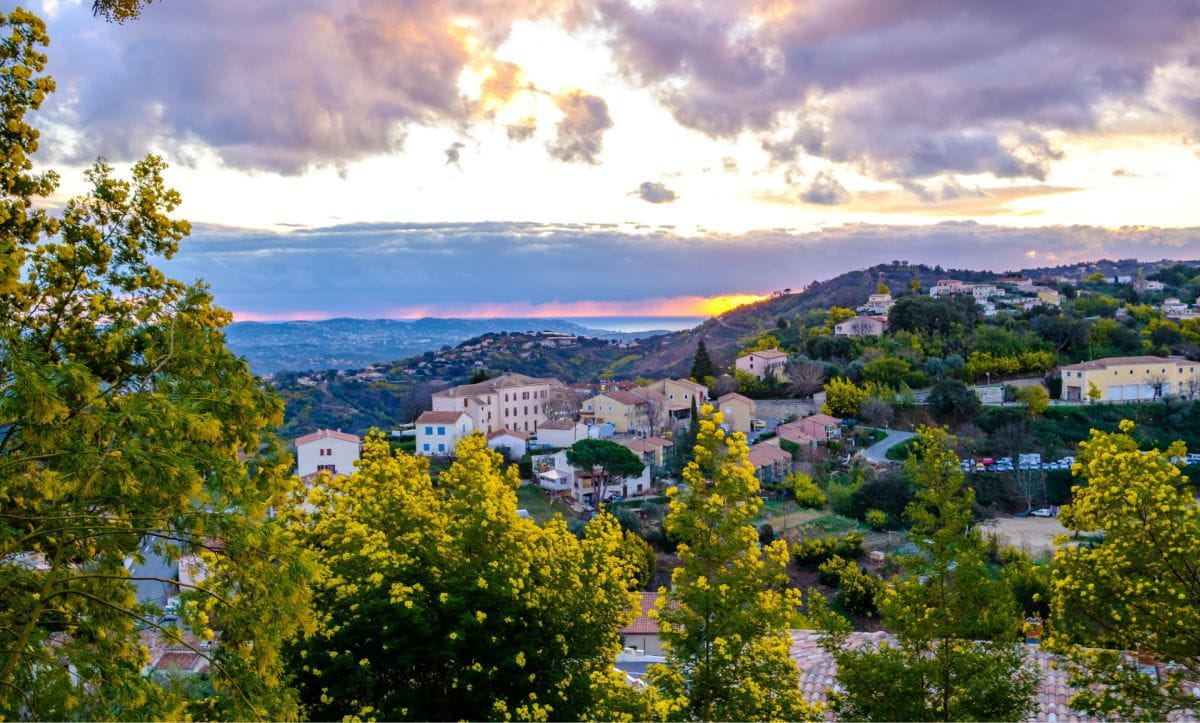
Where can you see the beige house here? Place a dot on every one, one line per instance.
(759, 363)
(651, 450)
(738, 411)
(628, 412)
(1131, 378)
(561, 432)
(512, 401)
(642, 633)
(1049, 297)
(861, 326)
(678, 395)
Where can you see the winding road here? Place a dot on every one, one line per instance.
(876, 452)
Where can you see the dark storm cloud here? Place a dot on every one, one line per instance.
(905, 89)
(367, 269)
(655, 192)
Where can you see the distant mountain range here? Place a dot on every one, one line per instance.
(354, 343)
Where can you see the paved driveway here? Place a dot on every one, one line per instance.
(876, 452)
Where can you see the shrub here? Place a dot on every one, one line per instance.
(807, 493)
(877, 519)
(810, 553)
(857, 588)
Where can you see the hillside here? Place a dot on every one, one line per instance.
(355, 343)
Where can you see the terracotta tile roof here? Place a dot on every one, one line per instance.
(558, 424)
(327, 434)
(734, 395)
(439, 417)
(1120, 361)
(794, 436)
(768, 354)
(823, 419)
(659, 442)
(642, 624)
(178, 660)
(637, 445)
(506, 432)
(763, 455)
(627, 398)
(818, 674)
(510, 379)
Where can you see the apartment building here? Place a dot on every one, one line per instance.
(1132, 378)
(509, 401)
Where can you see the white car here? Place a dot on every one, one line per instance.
(1043, 512)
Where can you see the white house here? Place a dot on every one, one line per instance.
(438, 432)
(759, 363)
(327, 450)
(554, 474)
(561, 432)
(861, 326)
(511, 441)
(512, 401)
(879, 303)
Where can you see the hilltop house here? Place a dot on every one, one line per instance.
(861, 326)
(761, 363)
(327, 450)
(1132, 378)
(439, 432)
(878, 304)
(512, 401)
(737, 410)
(628, 412)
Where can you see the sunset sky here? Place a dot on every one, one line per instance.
(622, 157)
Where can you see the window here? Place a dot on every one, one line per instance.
(429, 430)
(441, 448)
(526, 410)
(441, 430)
(326, 468)
(426, 446)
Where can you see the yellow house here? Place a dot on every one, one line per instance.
(625, 410)
(1049, 297)
(738, 411)
(1131, 378)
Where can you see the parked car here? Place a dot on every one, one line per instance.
(1043, 512)
(757, 424)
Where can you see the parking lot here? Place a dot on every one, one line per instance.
(1033, 535)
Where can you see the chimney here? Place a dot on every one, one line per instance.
(1033, 631)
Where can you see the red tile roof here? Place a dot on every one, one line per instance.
(763, 455)
(508, 433)
(642, 624)
(1120, 361)
(659, 442)
(818, 674)
(734, 395)
(439, 417)
(628, 398)
(823, 419)
(767, 353)
(327, 434)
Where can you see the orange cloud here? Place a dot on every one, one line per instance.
(658, 306)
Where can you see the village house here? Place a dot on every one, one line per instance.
(1144, 285)
(560, 478)
(512, 401)
(794, 433)
(627, 412)
(1172, 305)
(327, 450)
(771, 463)
(820, 427)
(652, 451)
(641, 634)
(439, 432)
(861, 326)
(737, 410)
(1132, 378)
(761, 363)
(561, 432)
(947, 287)
(878, 304)
(1049, 297)
(509, 442)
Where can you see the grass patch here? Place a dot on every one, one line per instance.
(533, 499)
(901, 451)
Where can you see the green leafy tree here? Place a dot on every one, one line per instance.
(611, 459)
(127, 431)
(951, 399)
(843, 397)
(888, 372)
(857, 589)
(724, 621)
(956, 655)
(1137, 590)
(702, 364)
(441, 603)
